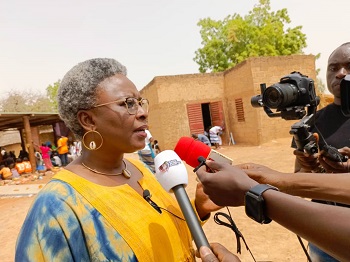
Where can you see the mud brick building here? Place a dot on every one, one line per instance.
(185, 104)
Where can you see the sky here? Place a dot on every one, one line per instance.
(41, 40)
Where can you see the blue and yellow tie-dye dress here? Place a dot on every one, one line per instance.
(73, 219)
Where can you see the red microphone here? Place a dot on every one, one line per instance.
(189, 150)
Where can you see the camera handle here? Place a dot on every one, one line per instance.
(305, 140)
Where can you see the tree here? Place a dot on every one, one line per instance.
(51, 92)
(26, 102)
(234, 39)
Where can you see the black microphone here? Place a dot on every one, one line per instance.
(147, 197)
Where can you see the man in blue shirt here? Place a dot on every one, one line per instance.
(202, 138)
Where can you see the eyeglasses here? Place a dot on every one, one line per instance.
(131, 103)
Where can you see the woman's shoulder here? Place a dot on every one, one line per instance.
(53, 197)
(56, 189)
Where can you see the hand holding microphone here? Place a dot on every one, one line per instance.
(227, 187)
(190, 150)
(172, 175)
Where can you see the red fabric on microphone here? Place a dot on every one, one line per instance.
(189, 150)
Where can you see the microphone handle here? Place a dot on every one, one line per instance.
(191, 218)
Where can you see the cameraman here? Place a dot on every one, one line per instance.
(331, 124)
(333, 129)
(329, 228)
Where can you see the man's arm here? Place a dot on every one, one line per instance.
(329, 229)
(323, 186)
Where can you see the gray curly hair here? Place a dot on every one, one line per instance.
(78, 89)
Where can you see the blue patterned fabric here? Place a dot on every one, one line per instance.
(62, 236)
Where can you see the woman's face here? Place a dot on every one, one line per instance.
(122, 132)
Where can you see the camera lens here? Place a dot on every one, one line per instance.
(256, 101)
(280, 95)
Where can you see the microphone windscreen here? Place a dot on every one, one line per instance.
(189, 150)
(170, 170)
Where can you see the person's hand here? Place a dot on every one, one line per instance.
(262, 174)
(227, 186)
(345, 151)
(306, 162)
(336, 167)
(204, 205)
(217, 253)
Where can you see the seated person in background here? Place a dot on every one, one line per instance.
(55, 159)
(202, 138)
(14, 171)
(13, 156)
(23, 154)
(5, 172)
(27, 166)
(7, 159)
(20, 166)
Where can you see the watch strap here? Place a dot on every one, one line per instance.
(258, 190)
(261, 188)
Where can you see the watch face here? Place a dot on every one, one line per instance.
(254, 207)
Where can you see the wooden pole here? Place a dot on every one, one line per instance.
(29, 142)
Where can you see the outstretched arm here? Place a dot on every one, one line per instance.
(329, 228)
(323, 186)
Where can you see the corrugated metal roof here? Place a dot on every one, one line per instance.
(15, 120)
(10, 137)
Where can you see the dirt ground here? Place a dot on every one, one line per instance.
(267, 242)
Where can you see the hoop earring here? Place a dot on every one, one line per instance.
(92, 144)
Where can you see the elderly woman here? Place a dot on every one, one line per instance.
(94, 210)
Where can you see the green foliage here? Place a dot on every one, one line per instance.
(234, 39)
(26, 102)
(51, 92)
(321, 87)
(31, 101)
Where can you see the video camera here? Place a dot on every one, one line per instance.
(290, 97)
(345, 95)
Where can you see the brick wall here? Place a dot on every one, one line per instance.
(168, 96)
(243, 81)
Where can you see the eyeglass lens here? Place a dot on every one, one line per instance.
(132, 105)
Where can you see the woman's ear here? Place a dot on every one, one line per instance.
(85, 119)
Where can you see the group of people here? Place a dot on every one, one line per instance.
(49, 156)
(15, 170)
(12, 167)
(87, 211)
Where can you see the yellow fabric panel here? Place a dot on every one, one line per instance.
(151, 235)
